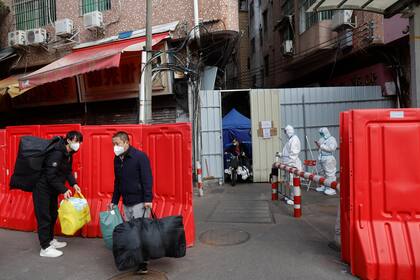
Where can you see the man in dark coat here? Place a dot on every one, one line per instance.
(133, 181)
(56, 170)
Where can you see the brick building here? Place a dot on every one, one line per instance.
(86, 97)
(290, 47)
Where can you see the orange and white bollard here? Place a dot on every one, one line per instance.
(199, 179)
(297, 197)
(274, 187)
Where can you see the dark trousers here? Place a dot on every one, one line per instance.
(45, 205)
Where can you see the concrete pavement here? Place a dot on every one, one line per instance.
(279, 246)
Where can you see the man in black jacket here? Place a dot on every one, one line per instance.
(56, 170)
(133, 181)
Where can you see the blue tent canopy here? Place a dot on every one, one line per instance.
(235, 120)
(236, 125)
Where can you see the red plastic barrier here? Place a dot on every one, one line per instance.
(3, 176)
(344, 187)
(384, 193)
(97, 180)
(169, 150)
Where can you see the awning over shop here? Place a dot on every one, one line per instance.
(87, 59)
(386, 7)
(10, 86)
(7, 53)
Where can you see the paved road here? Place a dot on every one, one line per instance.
(276, 246)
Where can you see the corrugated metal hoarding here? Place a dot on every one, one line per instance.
(309, 109)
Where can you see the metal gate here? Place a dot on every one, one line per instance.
(264, 112)
(211, 134)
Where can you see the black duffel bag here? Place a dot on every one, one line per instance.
(162, 237)
(127, 246)
(173, 236)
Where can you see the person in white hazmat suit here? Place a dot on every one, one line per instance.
(290, 154)
(327, 163)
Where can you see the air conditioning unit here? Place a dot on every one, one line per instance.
(16, 38)
(92, 20)
(288, 47)
(63, 27)
(36, 36)
(341, 18)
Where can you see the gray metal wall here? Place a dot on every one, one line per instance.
(308, 109)
(211, 134)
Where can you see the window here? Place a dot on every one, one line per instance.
(88, 6)
(265, 21)
(288, 8)
(266, 66)
(288, 33)
(33, 13)
(243, 5)
(251, 9)
(307, 20)
(253, 45)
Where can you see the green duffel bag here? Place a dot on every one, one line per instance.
(108, 221)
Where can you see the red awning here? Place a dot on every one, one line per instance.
(85, 60)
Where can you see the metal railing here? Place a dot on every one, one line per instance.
(280, 184)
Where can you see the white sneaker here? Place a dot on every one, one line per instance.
(290, 202)
(50, 252)
(330, 191)
(57, 244)
(320, 189)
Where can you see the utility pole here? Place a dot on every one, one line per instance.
(145, 109)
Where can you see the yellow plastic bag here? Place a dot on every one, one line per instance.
(73, 214)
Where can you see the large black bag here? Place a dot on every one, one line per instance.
(127, 246)
(163, 237)
(142, 239)
(31, 155)
(150, 235)
(173, 236)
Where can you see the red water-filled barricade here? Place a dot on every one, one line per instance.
(380, 192)
(169, 150)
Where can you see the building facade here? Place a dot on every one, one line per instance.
(53, 29)
(290, 47)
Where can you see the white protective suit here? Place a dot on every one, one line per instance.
(290, 156)
(327, 147)
(291, 150)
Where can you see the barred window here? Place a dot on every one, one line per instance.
(88, 6)
(30, 14)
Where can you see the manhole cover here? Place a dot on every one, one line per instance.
(152, 275)
(224, 237)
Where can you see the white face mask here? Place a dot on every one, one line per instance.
(118, 150)
(75, 146)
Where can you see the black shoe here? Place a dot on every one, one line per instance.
(142, 269)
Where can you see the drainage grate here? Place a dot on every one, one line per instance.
(152, 275)
(224, 237)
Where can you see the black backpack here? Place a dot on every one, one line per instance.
(29, 161)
